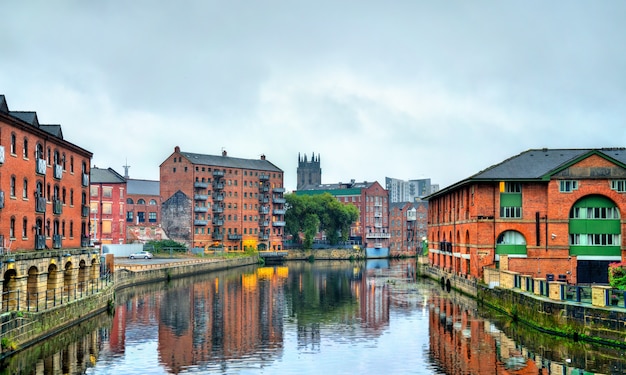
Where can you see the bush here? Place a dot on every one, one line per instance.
(617, 275)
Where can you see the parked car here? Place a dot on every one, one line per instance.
(141, 254)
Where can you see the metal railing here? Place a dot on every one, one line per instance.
(20, 300)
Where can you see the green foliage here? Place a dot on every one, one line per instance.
(8, 344)
(308, 215)
(165, 246)
(617, 275)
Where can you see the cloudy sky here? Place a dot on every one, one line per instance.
(405, 89)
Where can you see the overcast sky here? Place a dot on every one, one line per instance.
(404, 89)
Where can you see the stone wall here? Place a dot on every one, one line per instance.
(325, 254)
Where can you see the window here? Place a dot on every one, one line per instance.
(152, 217)
(25, 228)
(107, 191)
(106, 227)
(129, 216)
(141, 217)
(13, 186)
(511, 212)
(567, 186)
(25, 149)
(93, 190)
(129, 201)
(141, 201)
(153, 202)
(106, 208)
(12, 228)
(13, 146)
(618, 185)
(25, 189)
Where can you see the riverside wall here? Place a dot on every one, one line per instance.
(578, 321)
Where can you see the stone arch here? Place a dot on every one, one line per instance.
(69, 279)
(95, 270)
(52, 283)
(10, 291)
(82, 275)
(511, 243)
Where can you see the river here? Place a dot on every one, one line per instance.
(307, 318)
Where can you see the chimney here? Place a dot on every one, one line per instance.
(223, 152)
(262, 156)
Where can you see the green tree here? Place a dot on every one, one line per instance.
(309, 214)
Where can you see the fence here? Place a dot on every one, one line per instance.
(19, 300)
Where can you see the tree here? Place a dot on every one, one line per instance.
(309, 214)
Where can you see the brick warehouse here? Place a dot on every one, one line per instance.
(548, 213)
(219, 201)
(44, 185)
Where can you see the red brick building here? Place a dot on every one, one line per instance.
(549, 213)
(408, 228)
(221, 201)
(372, 200)
(143, 211)
(44, 184)
(108, 206)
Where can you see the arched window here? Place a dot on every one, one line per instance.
(129, 201)
(153, 202)
(141, 201)
(594, 228)
(511, 243)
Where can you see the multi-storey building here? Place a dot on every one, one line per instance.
(409, 191)
(221, 201)
(548, 213)
(372, 229)
(108, 207)
(44, 184)
(143, 211)
(408, 228)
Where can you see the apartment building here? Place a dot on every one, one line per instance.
(44, 185)
(408, 228)
(548, 213)
(372, 229)
(222, 202)
(108, 207)
(143, 211)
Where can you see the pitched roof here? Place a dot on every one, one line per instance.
(55, 130)
(105, 176)
(230, 162)
(26, 116)
(3, 104)
(143, 187)
(538, 164)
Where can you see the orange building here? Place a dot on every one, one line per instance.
(44, 184)
(547, 213)
(222, 202)
(108, 206)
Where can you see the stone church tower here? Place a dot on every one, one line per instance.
(309, 172)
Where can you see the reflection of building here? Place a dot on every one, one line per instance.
(44, 192)
(407, 225)
(371, 199)
(547, 213)
(221, 201)
(108, 190)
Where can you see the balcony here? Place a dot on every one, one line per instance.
(85, 241)
(200, 223)
(217, 236)
(57, 241)
(264, 223)
(200, 197)
(378, 235)
(58, 171)
(218, 186)
(279, 190)
(279, 211)
(218, 173)
(264, 177)
(234, 237)
(265, 188)
(41, 166)
(264, 210)
(85, 180)
(40, 242)
(218, 197)
(279, 200)
(278, 223)
(264, 237)
(200, 185)
(84, 210)
(264, 199)
(378, 214)
(40, 204)
(218, 208)
(200, 209)
(57, 206)
(218, 222)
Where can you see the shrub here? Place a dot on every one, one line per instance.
(617, 275)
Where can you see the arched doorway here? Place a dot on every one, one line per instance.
(68, 281)
(32, 289)
(10, 292)
(82, 276)
(51, 285)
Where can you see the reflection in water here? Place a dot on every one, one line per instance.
(311, 318)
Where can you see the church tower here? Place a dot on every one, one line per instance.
(309, 172)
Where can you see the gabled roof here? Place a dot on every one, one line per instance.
(55, 130)
(3, 104)
(105, 176)
(143, 187)
(230, 162)
(538, 165)
(26, 116)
